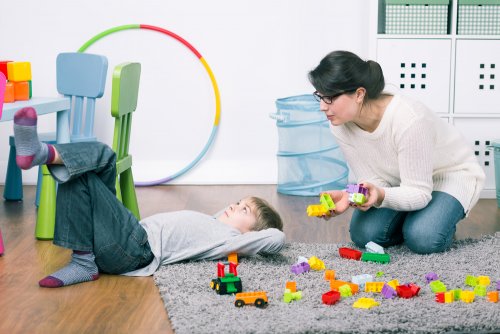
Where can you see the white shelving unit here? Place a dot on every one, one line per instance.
(458, 76)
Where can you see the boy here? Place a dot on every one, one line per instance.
(106, 237)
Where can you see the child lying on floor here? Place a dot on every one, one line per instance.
(106, 237)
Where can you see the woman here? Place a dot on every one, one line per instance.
(421, 175)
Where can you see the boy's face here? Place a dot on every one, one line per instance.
(241, 215)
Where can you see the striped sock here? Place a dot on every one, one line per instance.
(29, 150)
(82, 268)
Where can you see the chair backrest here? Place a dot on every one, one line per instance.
(3, 81)
(124, 95)
(81, 76)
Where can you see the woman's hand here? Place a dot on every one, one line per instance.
(341, 200)
(375, 196)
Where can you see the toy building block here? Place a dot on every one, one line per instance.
(467, 296)
(493, 296)
(449, 297)
(374, 286)
(471, 280)
(9, 93)
(3, 67)
(349, 253)
(288, 296)
(429, 277)
(330, 297)
(483, 280)
(439, 297)
(480, 290)
(21, 91)
(317, 210)
(379, 274)
(374, 257)
(498, 285)
(291, 285)
(315, 263)
(19, 71)
(257, 298)
(336, 284)
(414, 288)
(329, 274)
(404, 291)
(299, 268)
(365, 303)
(345, 290)
(372, 247)
(362, 279)
(437, 286)
(388, 291)
(233, 257)
(31, 88)
(327, 202)
(301, 259)
(456, 293)
(226, 283)
(394, 283)
(357, 198)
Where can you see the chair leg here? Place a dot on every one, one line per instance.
(128, 192)
(39, 182)
(1, 244)
(13, 190)
(46, 216)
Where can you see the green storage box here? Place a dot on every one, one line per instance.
(478, 17)
(421, 17)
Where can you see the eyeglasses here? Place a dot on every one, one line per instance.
(329, 99)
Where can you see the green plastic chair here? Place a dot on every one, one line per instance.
(125, 89)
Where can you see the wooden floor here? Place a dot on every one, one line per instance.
(117, 304)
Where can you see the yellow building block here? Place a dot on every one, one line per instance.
(467, 296)
(393, 284)
(449, 297)
(315, 263)
(19, 71)
(365, 303)
(483, 280)
(374, 286)
(317, 210)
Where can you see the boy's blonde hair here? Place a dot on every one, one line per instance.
(267, 216)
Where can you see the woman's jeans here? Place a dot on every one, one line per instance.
(429, 230)
(89, 217)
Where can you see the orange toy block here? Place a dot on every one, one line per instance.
(493, 296)
(21, 91)
(336, 284)
(329, 275)
(233, 257)
(9, 93)
(292, 285)
(19, 71)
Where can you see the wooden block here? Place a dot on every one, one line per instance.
(21, 91)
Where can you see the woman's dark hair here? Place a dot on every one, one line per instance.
(343, 71)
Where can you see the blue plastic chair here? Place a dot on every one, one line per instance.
(81, 77)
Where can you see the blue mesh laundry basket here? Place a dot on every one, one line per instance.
(309, 159)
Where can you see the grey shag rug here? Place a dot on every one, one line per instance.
(193, 307)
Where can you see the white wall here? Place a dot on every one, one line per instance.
(258, 50)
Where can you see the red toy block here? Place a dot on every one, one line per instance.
(3, 67)
(9, 93)
(349, 253)
(414, 288)
(440, 297)
(331, 297)
(21, 91)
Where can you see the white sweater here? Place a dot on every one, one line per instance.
(411, 153)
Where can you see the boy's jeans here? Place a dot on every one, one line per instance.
(424, 231)
(89, 217)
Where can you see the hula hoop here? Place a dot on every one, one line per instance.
(210, 74)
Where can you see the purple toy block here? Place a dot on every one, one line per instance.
(431, 277)
(498, 285)
(299, 268)
(388, 292)
(356, 188)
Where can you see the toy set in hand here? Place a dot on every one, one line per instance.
(357, 195)
(18, 75)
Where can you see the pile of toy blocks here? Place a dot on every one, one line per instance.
(18, 75)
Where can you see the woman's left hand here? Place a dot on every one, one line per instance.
(375, 196)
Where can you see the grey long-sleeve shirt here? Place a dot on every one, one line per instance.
(190, 235)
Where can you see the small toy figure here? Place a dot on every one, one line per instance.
(226, 283)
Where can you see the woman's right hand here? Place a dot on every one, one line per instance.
(341, 200)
